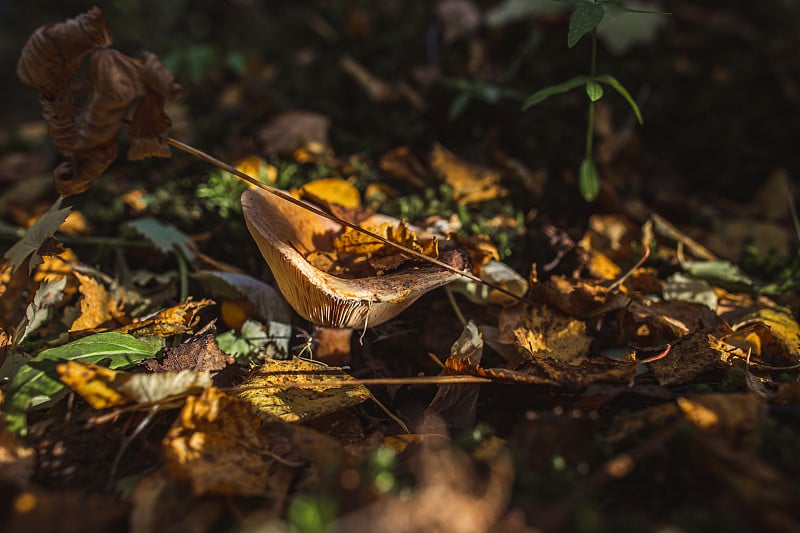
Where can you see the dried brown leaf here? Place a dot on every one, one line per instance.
(178, 319)
(217, 444)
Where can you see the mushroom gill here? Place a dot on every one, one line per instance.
(286, 234)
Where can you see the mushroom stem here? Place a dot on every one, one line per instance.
(316, 210)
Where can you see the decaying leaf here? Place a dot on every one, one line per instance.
(175, 320)
(405, 166)
(456, 405)
(36, 236)
(541, 332)
(97, 305)
(217, 444)
(294, 130)
(579, 298)
(103, 388)
(692, 355)
(48, 294)
(296, 390)
(198, 353)
(87, 135)
(470, 183)
(360, 255)
(35, 383)
(772, 333)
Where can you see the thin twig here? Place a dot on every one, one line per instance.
(317, 211)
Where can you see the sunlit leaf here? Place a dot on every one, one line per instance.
(274, 392)
(37, 382)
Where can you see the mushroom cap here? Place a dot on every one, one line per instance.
(286, 234)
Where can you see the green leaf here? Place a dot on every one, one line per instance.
(42, 229)
(543, 94)
(37, 382)
(722, 273)
(458, 106)
(588, 180)
(165, 237)
(594, 91)
(584, 19)
(616, 85)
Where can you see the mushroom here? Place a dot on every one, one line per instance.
(286, 234)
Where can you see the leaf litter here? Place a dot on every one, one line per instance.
(617, 366)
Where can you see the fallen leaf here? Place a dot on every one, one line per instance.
(296, 390)
(456, 405)
(268, 302)
(48, 294)
(218, 446)
(198, 353)
(692, 355)
(499, 275)
(97, 305)
(778, 342)
(174, 320)
(103, 388)
(579, 298)
(331, 191)
(470, 183)
(35, 237)
(402, 164)
(293, 130)
(542, 332)
(33, 384)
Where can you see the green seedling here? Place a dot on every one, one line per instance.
(584, 20)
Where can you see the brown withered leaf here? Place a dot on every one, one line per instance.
(150, 125)
(218, 445)
(402, 164)
(175, 320)
(456, 405)
(539, 331)
(198, 353)
(776, 341)
(293, 130)
(53, 53)
(579, 298)
(692, 355)
(50, 60)
(360, 254)
(470, 183)
(499, 375)
(51, 57)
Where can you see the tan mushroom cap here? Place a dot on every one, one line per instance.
(286, 234)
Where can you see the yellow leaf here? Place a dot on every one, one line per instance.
(97, 305)
(258, 168)
(274, 392)
(541, 332)
(103, 388)
(470, 183)
(174, 320)
(332, 191)
(95, 384)
(772, 333)
(217, 444)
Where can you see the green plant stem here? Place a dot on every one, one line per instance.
(590, 116)
(184, 275)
